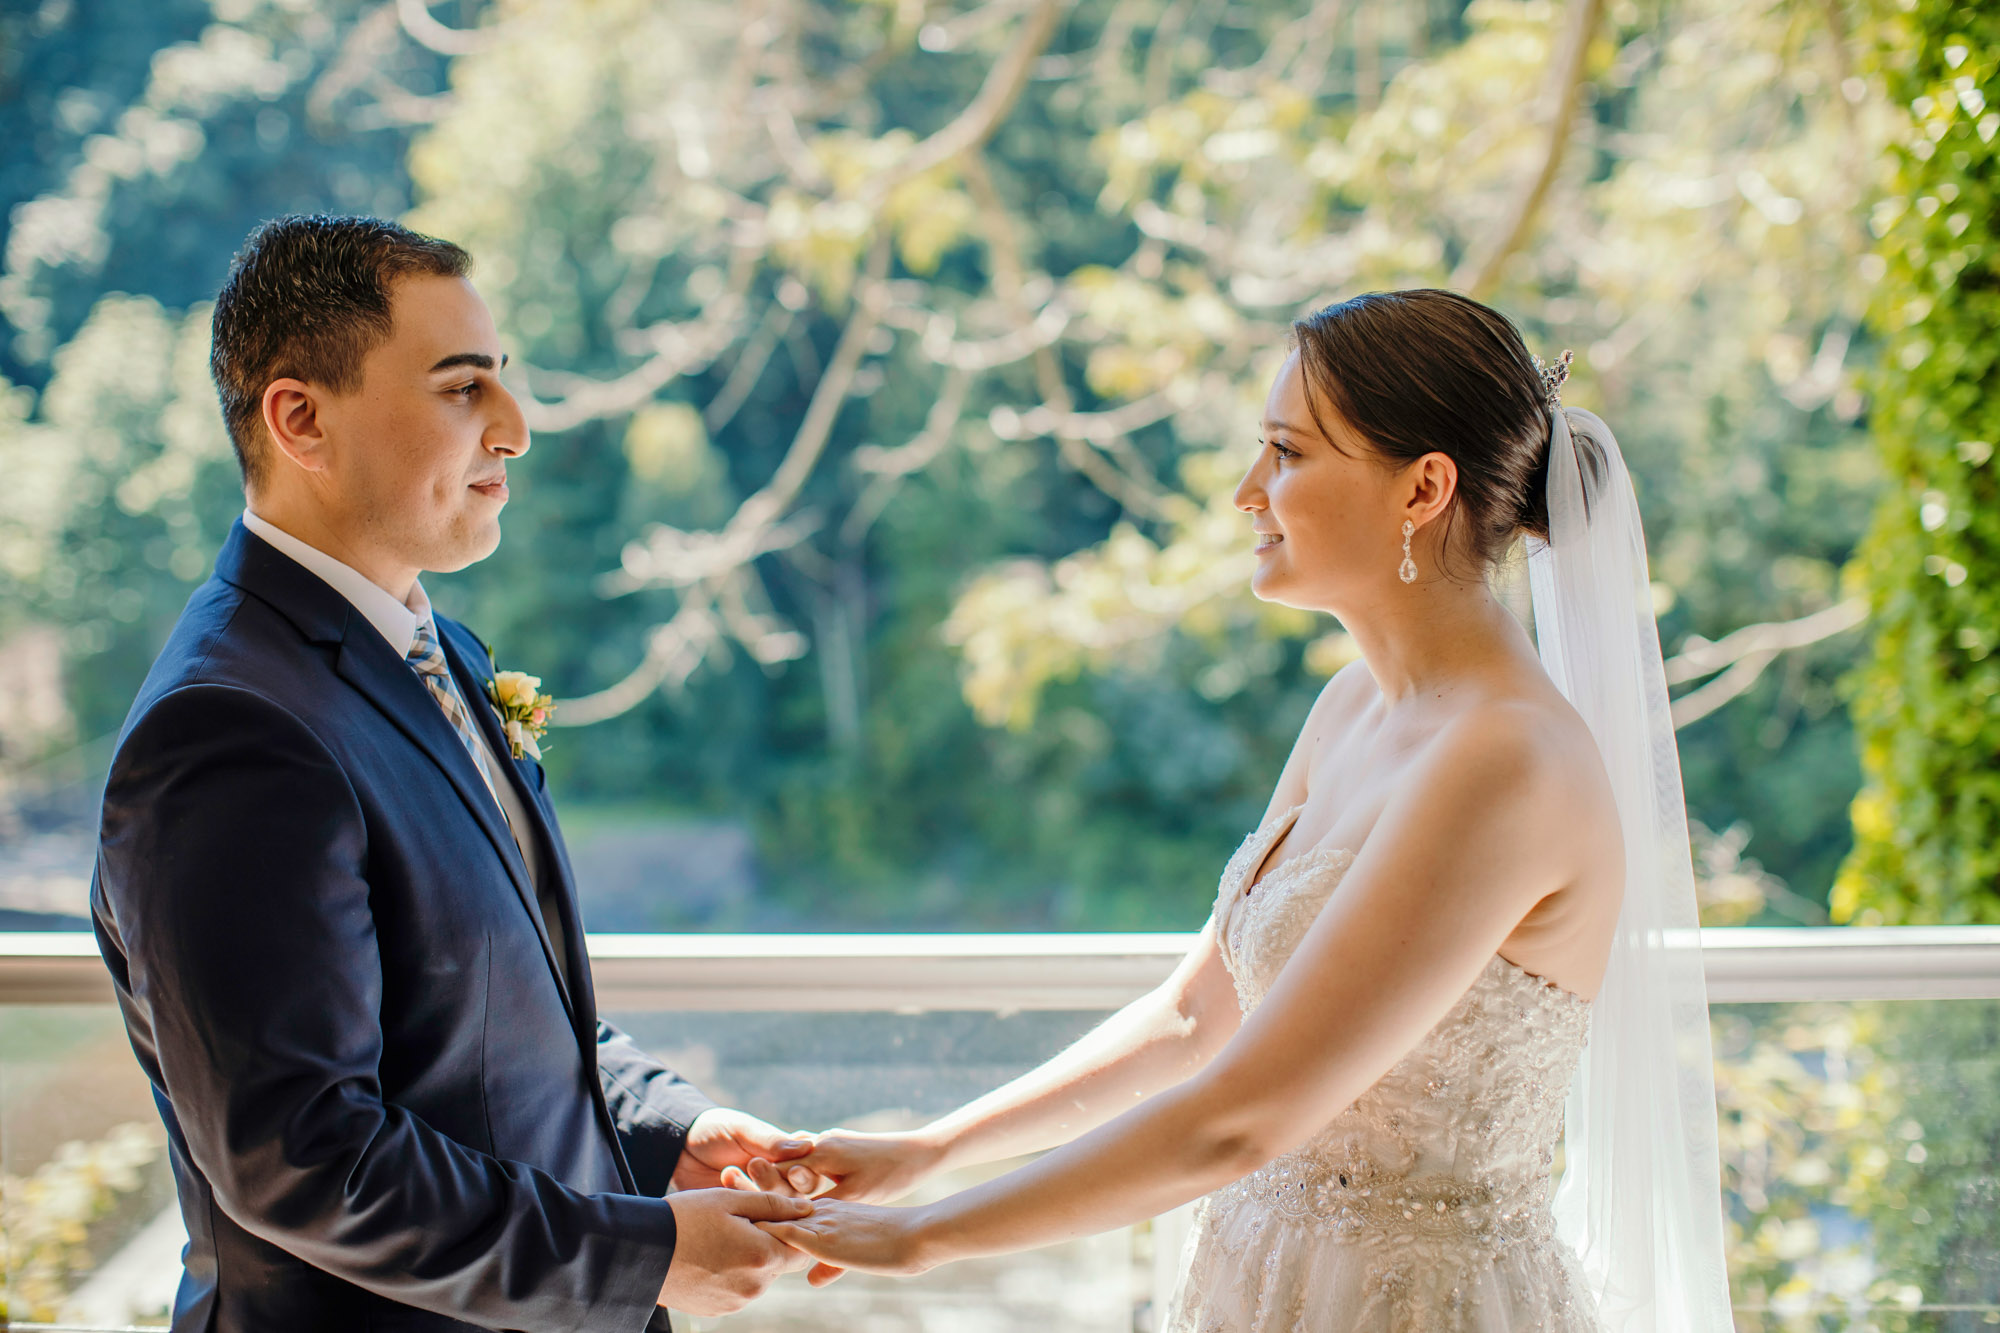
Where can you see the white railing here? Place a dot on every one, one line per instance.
(1004, 973)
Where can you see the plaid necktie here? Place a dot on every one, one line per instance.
(427, 659)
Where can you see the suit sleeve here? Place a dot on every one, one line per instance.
(651, 1107)
(232, 857)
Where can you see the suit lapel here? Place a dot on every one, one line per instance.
(370, 665)
(541, 825)
(559, 880)
(364, 659)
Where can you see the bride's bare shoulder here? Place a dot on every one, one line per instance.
(1537, 761)
(1537, 737)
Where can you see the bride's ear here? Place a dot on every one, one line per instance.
(1429, 484)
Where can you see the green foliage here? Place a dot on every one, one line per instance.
(1805, 1096)
(136, 151)
(1018, 510)
(46, 1218)
(118, 490)
(1927, 702)
(992, 663)
(1927, 705)
(1935, 1210)
(1857, 1151)
(139, 143)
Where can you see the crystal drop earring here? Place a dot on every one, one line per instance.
(1407, 571)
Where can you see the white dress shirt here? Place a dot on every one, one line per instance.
(397, 622)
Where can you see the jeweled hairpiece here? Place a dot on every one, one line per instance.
(1553, 376)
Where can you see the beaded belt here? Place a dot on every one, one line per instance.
(1348, 1202)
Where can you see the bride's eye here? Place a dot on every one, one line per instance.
(1279, 447)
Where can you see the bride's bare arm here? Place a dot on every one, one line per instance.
(1486, 828)
(1158, 1040)
(1152, 1044)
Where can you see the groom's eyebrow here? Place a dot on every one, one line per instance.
(478, 359)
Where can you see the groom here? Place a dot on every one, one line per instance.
(336, 906)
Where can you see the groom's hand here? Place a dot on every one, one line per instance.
(721, 1138)
(722, 1259)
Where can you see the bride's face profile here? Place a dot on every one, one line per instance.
(1327, 513)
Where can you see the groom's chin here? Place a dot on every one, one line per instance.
(480, 539)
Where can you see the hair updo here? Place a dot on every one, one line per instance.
(1428, 371)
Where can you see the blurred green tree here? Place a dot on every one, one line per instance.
(891, 364)
(1927, 700)
(138, 145)
(1038, 262)
(845, 324)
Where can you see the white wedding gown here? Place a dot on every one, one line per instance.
(1424, 1206)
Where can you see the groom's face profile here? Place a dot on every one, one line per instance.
(410, 464)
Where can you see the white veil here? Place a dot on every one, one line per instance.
(1640, 1199)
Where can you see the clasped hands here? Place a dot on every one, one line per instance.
(753, 1202)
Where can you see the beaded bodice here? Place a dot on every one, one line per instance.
(1421, 1207)
(1450, 1152)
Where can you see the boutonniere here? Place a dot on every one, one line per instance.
(524, 710)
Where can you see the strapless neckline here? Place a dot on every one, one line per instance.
(1264, 840)
(1423, 1206)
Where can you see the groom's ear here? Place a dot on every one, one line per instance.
(292, 423)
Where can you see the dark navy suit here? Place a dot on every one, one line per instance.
(386, 1108)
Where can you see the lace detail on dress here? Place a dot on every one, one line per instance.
(1425, 1204)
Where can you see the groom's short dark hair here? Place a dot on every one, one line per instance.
(307, 298)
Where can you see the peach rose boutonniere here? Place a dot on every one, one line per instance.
(524, 710)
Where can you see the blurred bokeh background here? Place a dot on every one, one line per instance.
(891, 363)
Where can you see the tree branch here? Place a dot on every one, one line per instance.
(1130, 485)
(990, 106)
(1097, 427)
(673, 651)
(678, 349)
(1741, 656)
(749, 368)
(1699, 657)
(1480, 271)
(670, 557)
(1303, 41)
(937, 337)
(891, 466)
(425, 30)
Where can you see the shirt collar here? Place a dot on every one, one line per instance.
(395, 621)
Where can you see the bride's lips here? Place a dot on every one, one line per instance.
(1267, 542)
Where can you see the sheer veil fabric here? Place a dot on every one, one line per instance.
(1640, 1198)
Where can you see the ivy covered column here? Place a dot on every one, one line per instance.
(1927, 705)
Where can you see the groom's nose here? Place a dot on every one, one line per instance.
(507, 432)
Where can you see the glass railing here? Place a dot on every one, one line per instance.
(1858, 1079)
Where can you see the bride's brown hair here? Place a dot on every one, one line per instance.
(1428, 371)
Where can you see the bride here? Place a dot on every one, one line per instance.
(1475, 860)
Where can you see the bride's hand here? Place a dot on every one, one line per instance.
(872, 1168)
(860, 1236)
